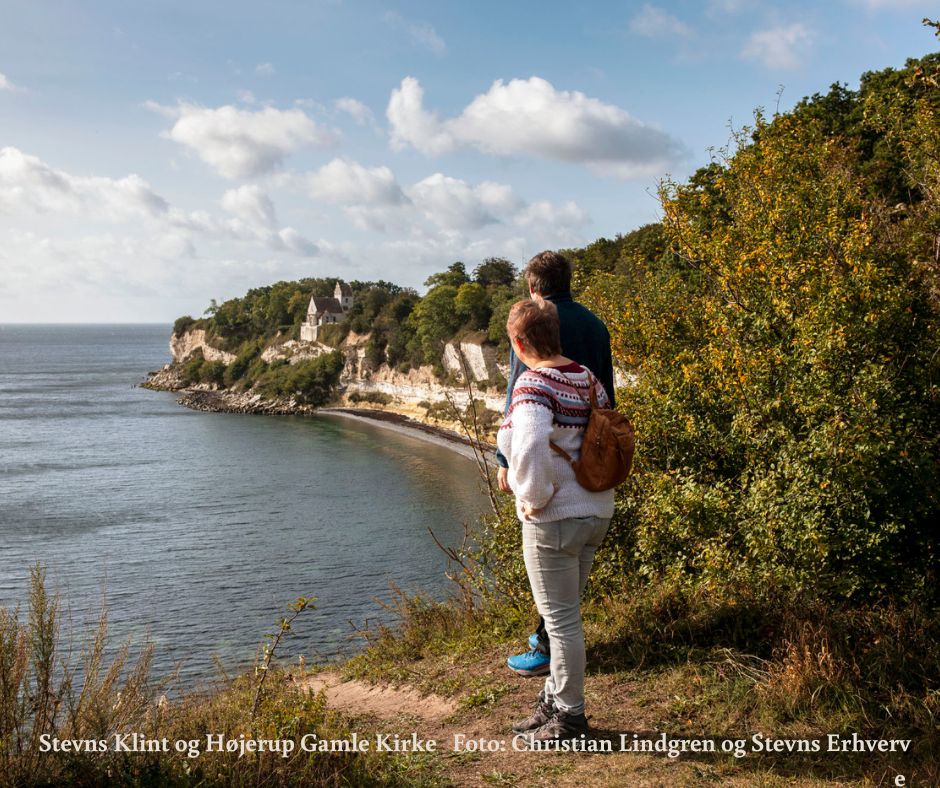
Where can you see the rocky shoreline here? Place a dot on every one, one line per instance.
(225, 401)
(222, 401)
(215, 400)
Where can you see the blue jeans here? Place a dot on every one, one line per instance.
(558, 559)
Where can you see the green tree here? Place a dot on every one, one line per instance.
(454, 276)
(398, 331)
(785, 348)
(496, 330)
(495, 271)
(435, 320)
(183, 324)
(473, 305)
(309, 382)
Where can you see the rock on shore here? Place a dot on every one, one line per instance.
(241, 402)
(207, 398)
(166, 378)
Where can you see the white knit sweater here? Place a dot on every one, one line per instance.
(551, 404)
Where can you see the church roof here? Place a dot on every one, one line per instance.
(344, 288)
(328, 304)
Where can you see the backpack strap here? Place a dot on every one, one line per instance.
(594, 382)
(593, 404)
(560, 451)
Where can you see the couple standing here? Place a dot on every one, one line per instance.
(560, 351)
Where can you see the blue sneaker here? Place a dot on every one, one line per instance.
(532, 663)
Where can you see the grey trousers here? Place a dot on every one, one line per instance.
(558, 558)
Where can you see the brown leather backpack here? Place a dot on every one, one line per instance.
(607, 450)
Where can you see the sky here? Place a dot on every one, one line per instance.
(156, 155)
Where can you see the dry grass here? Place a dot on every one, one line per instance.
(46, 695)
(720, 664)
(660, 659)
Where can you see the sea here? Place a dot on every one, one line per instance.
(195, 531)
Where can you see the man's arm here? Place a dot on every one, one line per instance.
(606, 373)
(516, 368)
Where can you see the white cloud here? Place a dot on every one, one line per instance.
(654, 22)
(114, 238)
(531, 117)
(251, 205)
(246, 97)
(358, 111)
(111, 276)
(545, 214)
(420, 33)
(264, 70)
(370, 196)
(240, 143)
(346, 182)
(29, 186)
(414, 125)
(289, 239)
(7, 85)
(247, 227)
(454, 204)
(28, 182)
(101, 263)
(784, 47)
(255, 220)
(373, 200)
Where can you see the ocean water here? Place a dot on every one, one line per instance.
(197, 529)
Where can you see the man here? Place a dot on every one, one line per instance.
(585, 339)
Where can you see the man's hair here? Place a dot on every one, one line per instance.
(534, 322)
(548, 273)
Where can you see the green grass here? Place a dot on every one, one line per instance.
(729, 665)
(689, 664)
(45, 693)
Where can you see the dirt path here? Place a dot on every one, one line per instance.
(614, 710)
(358, 698)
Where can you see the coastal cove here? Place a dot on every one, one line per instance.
(199, 528)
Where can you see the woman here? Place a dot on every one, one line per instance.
(562, 523)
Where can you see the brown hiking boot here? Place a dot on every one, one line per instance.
(561, 726)
(541, 714)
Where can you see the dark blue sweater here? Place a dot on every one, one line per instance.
(584, 338)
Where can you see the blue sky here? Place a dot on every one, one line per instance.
(154, 155)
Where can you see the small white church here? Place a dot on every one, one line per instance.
(326, 311)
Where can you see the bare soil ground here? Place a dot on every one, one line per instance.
(381, 702)
(615, 707)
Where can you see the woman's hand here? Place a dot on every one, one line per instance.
(528, 510)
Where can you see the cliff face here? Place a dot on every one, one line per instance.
(359, 378)
(418, 385)
(185, 344)
(417, 394)
(472, 355)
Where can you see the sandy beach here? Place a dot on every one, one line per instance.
(406, 426)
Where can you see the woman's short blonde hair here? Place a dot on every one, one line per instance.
(534, 322)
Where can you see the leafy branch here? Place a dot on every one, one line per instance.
(296, 607)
